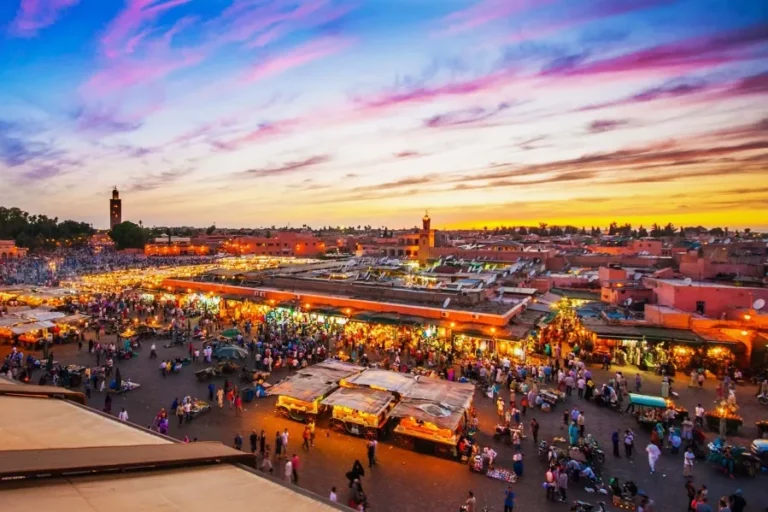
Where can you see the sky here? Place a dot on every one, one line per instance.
(247, 113)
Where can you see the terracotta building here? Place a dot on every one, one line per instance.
(282, 244)
(9, 250)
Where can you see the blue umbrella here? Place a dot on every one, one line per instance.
(231, 352)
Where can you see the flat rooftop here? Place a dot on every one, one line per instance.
(36, 423)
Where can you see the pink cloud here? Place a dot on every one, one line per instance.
(486, 11)
(122, 31)
(688, 55)
(34, 15)
(299, 56)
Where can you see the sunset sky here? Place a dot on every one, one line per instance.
(249, 113)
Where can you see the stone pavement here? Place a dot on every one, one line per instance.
(407, 481)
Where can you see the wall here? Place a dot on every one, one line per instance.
(618, 296)
(594, 261)
(702, 268)
(497, 256)
(175, 250)
(718, 299)
(279, 244)
(315, 299)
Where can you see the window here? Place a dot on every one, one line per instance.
(700, 306)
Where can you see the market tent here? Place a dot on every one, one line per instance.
(386, 318)
(395, 382)
(230, 352)
(577, 294)
(615, 332)
(40, 315)
(647, 400)
(442, 415)
(315, 381)
(71, 319)
(370, 401)
(327, 311)
(25, 328)
(230, 333)
(436, 401)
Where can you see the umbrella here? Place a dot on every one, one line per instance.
(230, 333)
(231, 352)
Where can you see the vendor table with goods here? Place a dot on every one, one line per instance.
(497, 473)
(199, 407)
(732, 421)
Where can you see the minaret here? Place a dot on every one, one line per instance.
(115, 209)
(426, 239)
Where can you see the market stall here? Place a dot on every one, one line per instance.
(299, 396)
(649, 410)
(433, 415)
(360, 411)
(732, 420)
(383, 380)
(199, 407)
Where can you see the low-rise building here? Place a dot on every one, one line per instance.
(10, 251)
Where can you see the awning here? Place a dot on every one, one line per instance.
(25, 328)
(664, 334)
(577, 294)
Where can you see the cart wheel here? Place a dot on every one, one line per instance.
(338, 425)
(443, 451)
(751, 470)
(403, 442)
(282, 411)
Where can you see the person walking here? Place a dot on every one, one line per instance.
(305, 436)
(629, 443)
(123, 416)
(220, 398)
(535, 431)
(180, 414)
(615, 441)
(254, 439)
(312, 433)
(653, 455)
(238, 443)
(509, 500)
(638, 382)
(288, 473)
(284, 437)
(238, 406)
(562, 485)
(211, 392)
(371, 454)
(278, 444)
(262, 443)
(295, 468)
(332, 497)
(688, 459)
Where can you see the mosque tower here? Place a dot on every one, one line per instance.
(115, 209)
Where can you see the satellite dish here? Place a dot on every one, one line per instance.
(447, 301)
(629, 301)
(758, 304)
(687, 281)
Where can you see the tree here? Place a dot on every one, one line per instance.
(522, 230)
(128, 235)
(642, 232)
(211, 229)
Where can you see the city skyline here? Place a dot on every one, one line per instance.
(493, 112)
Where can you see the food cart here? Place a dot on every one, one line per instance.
(360, 411)
(732, 420)
(649, 409)
(433, 416)
(199, 407)
(299, 396)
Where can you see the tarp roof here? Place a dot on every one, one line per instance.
(576, 294)
(315, 381)
(371, 401)
(383, 379)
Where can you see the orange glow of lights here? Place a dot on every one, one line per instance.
(744, 333)
(747, 317)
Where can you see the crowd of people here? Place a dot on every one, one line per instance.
(52, 268)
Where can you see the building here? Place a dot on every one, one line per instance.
(115, 209)
(60, 454)
(175, 246)
(712, 300)
(10, 251)
(282, 244)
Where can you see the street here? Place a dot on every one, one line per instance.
(408, 481)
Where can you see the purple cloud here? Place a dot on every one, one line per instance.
(34, 15)
(286, 168)
(407, 154)
(484, 12)
(606, 125)
(104, 122)
(688, 55)
(466, 116)
(300, 56)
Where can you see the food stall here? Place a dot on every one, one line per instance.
(360, 411)
(649, 410)
(299, 396)
(199, 407)
(433, 415)
(732, 420)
